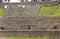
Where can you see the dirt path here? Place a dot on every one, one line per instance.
(3, 38)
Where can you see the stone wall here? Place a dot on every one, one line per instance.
(51, 34)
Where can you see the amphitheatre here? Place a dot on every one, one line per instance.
(34, 18)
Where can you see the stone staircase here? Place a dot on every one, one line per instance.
(30, 10)
(14, 11)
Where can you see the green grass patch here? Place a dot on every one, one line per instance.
(57, 12)
(1, 12)
(45, 10)
(24, 38)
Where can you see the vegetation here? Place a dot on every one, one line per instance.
(1, 12)
(23, 38)
(57, 12)
(45, 10)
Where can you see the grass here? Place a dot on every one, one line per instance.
(57, 12)
(45, 10)
(27, 38)
(23, 38)
(1, 12)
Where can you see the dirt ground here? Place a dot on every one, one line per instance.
(3, 38)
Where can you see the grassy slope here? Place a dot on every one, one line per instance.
(1, 12)
(57, 12)
(45, 10)
(25, 38)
